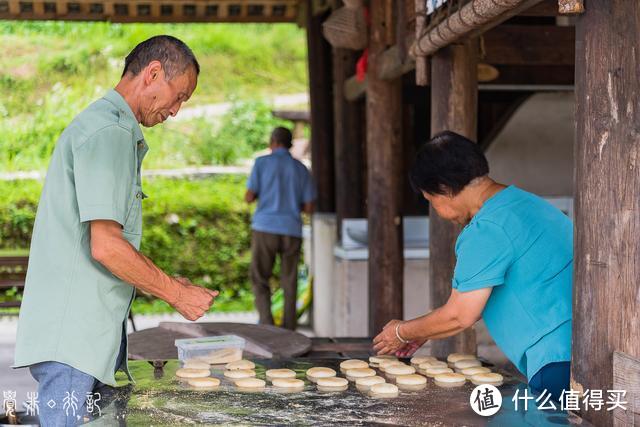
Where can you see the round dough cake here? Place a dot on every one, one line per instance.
(196, 364)
(332, 384)
(393, 371)
(411, 382)
(374, 361)
(450, 380)
(456, 357)
(240, 364)
(352, 364)
(432, 372)
(240, 373)
(466, 363)
(204, 382)
(487, 378)
(469, 372)
(313, 374)
(416, 361)
(422, 368)
(383, 390)
(354, 374)
(288, 383)
(250, 383)
(192, 373)
(364, 384)
(386, 363)
(272, 374)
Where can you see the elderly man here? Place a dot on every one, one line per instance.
(284, 188)
(514, 261)
(84, 262)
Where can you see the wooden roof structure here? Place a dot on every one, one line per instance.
(152, 10)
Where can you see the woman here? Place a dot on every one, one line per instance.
(514, 262)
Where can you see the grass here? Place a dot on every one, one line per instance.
(50, 71)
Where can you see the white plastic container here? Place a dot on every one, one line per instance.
(192, 348)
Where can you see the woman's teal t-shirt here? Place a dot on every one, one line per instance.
(522, 246)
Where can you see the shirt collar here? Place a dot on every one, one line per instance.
(280, 150)
(125, 112)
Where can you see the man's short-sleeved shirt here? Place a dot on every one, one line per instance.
(282, 185)
(522, 246)
(74, 310)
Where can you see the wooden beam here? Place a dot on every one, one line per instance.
(384, 160)
(321, 100)
(454, 99)
(471, 20)
(153, 10)
(534, 75)
(529, 45)
(349, 139)
(606, 307)
(545, 8)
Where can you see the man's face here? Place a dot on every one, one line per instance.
(448, 207)
(164, 98)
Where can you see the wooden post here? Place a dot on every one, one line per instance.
(349, 140)
(454, 101)
(606, 306)
(384, 163)
(321, 100)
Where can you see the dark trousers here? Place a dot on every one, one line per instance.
(264, 248)
(554, 378)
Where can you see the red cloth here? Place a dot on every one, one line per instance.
(362, 65)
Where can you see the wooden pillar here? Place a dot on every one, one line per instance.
(321, 100)
(349, 140)
(606, 290)
(384, 163)
(454, 101)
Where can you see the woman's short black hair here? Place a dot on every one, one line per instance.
(446, 164)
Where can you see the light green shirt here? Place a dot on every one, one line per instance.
(74, 310)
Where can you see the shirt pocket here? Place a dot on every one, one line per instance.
(133, 221)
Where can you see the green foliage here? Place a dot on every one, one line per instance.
(244, 129)
(50, 71)
(197, 229)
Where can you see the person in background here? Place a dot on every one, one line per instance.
(284, 189)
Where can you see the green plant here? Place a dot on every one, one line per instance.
(197, 229)
(243, 130)
(50, 71)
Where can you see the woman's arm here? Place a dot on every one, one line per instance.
(462, 310)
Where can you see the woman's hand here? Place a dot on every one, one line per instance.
(408, 350)
(387, 341)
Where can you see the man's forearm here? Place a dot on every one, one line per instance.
(125, 262)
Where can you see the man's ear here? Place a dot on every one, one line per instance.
(153, 72)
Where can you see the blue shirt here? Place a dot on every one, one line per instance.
(282, 185)
(522, 246)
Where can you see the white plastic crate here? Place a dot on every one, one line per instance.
(192, 348)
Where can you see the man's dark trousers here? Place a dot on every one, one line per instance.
(264, 248)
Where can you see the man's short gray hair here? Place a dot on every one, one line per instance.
(174, 55)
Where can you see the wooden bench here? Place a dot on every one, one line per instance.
(13, 272)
